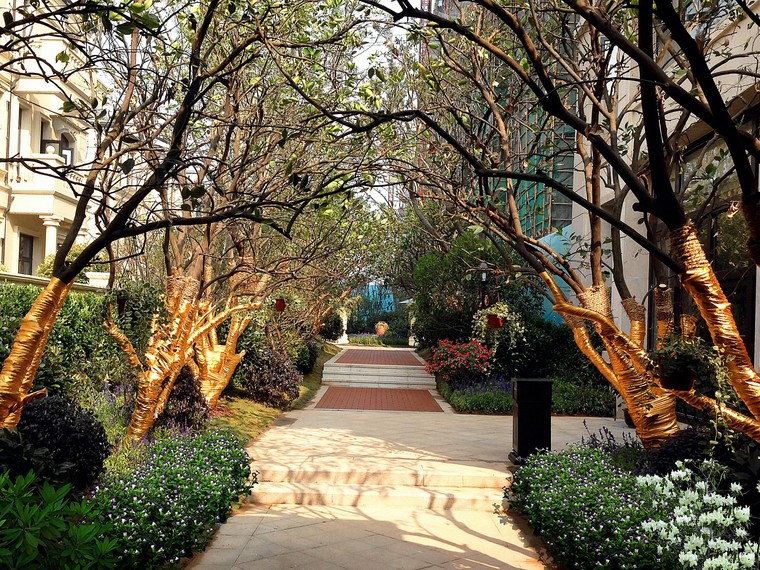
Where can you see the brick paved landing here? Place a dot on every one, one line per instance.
(383, 357)
(388, 399)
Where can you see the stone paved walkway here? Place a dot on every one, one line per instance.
(382, 357)
(395, 399)
(383, 490)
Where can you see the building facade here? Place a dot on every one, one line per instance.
(40, 149)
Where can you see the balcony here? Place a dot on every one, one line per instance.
(41, 191)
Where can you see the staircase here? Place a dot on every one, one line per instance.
(364, 459)
(376, 376)
(412, 484)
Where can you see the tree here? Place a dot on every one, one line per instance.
(625, 87)
(163, 133)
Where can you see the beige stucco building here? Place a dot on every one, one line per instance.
(40, 149)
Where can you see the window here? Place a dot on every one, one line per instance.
(25, 254)
(67, 150)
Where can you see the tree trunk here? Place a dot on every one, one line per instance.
(217, 362)
(169, 348)
(700, 282)
(20, 368)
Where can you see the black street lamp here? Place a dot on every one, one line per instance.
(483, 278)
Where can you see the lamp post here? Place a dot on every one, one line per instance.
(483, 278)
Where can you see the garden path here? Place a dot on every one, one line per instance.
(356, 489)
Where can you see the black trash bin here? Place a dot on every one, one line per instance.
(531, 417)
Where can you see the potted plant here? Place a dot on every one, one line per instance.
(381, 328)
(680, 363)
(494, 321)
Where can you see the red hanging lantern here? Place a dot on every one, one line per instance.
(495, 321)
(279, 305)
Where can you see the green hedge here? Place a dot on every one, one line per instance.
(489, 402)
(79, 347)
(569, 398)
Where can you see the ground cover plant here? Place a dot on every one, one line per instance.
(594, 514)
(169, 505)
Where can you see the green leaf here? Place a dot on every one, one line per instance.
(197, 191)
(7, 19)
(126, 28)
(186, 207)
(149, 21)
(68, 107)
(127, 165)
(63, 57)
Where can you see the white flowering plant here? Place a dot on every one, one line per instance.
(705, 528)
(589, 511)
(168, 506)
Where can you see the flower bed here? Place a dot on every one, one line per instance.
(169, 505)
(596, 515)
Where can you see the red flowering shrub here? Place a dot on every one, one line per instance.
(451, 359)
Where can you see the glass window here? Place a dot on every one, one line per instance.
(25, 254)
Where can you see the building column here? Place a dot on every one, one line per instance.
(51, 223)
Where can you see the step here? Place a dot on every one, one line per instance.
(439, 498)
(366, 370)
(413, 476)
(363, 383)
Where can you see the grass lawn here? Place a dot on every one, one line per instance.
(248, 419)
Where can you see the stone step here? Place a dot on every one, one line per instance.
(364, 383)
(386, 371)
(438, 498)
(412, 476)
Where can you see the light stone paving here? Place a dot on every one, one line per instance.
(360, 444)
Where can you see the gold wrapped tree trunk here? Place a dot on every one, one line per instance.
(663, 302)
(702, 284)
(637, 314)
(169, 348)
(20, 368)
(652, 409)
(217, 362)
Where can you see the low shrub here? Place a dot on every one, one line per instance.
(474, 392)
(627, 454)
(270, 378)
(590, 512)
(112, 405)
(484, 402)
(42, 528)
(187, 408)
(686, 444)
(577, 399)
(19, 456)
(594, 515)
(701, 526)
(304, 356)
(169, 505)
(374, 340)
(71, 433)
(332, 328)
(450, 358)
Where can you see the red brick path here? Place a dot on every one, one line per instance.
(396, 399)
(387, 357)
